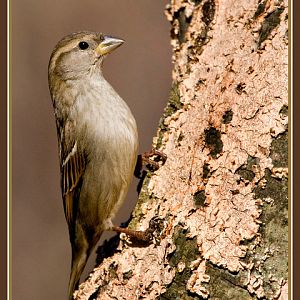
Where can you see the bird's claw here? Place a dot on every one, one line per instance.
(151, 164)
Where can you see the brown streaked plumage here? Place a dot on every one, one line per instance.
(97, 138)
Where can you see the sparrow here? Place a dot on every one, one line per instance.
(98, 141)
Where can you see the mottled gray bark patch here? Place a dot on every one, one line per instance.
(279, 150)
(208, 10)
(260, 9)
(180, 138)
(128, 275)
(246, 170)
(227, 117)
(113, 270)
(177, 289)
(199, 198)
(271, 256)
(284, 110)
(241, 88)
(225, 285)
(186, 252)
(197, 2)
(277, 190)
(173, 105)
(144, 197)
(270, 22)
(213, 141)
(183, 24)
(206, 171)
(208, 14)
(186, 249)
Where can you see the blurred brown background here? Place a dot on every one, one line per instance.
(141, 73)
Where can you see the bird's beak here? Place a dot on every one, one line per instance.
(108, 45)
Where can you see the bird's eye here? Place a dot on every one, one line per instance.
(83, 45)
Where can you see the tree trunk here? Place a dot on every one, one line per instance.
(220, 200)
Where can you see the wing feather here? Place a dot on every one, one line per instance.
(72, 166)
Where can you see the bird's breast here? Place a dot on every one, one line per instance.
(105, 125)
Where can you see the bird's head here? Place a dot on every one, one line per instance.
(79, 54)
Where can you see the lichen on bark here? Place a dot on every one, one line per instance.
(221, 196)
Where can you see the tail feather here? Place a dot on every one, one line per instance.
(81, 250)
(78, 264)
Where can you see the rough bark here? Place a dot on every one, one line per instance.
(221, 198)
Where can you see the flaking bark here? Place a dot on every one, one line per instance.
(220, 200)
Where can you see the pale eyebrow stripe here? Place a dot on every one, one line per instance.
(60, 50)
(68, 44)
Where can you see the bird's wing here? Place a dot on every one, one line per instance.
(72, 166)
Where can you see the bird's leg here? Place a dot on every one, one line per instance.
(146, 157)
(144, 236)
(144, 160)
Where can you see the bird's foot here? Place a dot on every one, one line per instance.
(144, 236)
(146, 157)
(145, 160)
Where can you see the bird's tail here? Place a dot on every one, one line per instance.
(78, 263)
(81, 250)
